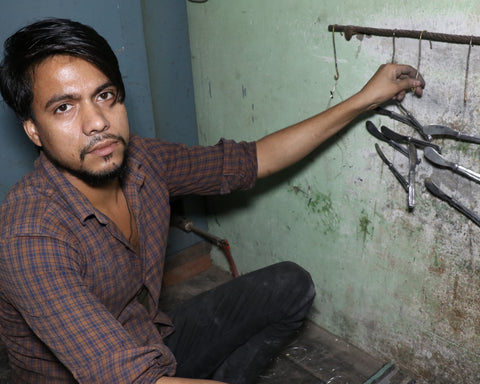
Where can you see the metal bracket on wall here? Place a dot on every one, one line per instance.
(351, 30)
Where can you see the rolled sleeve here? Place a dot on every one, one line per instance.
(240, 165)
(205, 170)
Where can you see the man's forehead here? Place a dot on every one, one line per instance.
(54, 63)
(66, 71)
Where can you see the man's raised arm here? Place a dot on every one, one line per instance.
(287, 146)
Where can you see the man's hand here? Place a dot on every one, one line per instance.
(392, 81)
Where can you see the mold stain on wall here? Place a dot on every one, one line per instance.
(365, 226)
(320, 205)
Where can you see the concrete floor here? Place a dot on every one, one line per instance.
(314, 356)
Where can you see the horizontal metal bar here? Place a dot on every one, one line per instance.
(350, 30)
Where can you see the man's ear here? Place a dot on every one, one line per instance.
(31, 130)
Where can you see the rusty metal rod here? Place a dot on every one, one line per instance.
(350, 30)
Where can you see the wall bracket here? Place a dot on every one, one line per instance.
(350, 30)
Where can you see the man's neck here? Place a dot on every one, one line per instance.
(104, 197)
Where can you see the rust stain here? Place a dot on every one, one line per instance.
(455, 288)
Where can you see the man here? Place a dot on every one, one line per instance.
(83, 236)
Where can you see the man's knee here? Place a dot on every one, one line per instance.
(292, 290)
(293, 277)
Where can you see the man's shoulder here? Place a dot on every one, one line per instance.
(31, 187)
(27, 205)
(147, 146)
(154, 153)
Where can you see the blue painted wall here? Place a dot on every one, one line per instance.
(167, 42)
(169, 61)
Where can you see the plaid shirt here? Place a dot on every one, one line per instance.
(69, 278)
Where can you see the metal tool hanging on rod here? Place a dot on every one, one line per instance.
(399, 177)
(436, 191)
(435, 158)
(373, 130)
(428, 132)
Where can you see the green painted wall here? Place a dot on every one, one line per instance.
(402, 286)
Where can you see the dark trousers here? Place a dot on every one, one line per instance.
(231, 332)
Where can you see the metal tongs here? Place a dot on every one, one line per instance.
(373, 130)
(407, 118)
(408, 186)
(415, 123)
(408, 139)
(453, 203)
(435, 158)
(412, 151)
(428, 132)
(444, 131)
(400, 178)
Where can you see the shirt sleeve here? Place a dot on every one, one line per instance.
(217, 169)
(46, 285)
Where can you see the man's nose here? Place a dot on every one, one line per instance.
(93, 119)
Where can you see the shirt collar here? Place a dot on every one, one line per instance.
(77, 201)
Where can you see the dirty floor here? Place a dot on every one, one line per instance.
(314, 356)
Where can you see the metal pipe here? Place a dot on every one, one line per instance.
(186, 225)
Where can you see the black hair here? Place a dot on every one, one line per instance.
(29, 46)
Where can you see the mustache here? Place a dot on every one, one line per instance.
(97, 139)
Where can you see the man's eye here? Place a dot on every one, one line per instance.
(106, 95)
(63, 108)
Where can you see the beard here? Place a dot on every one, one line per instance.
(94, 179)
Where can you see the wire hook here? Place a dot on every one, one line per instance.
(466, 70)
(393, 47)
(419, 52)
(337, 75)
(419, 56)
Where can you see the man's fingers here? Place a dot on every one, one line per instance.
(406, 81)
(408, 72)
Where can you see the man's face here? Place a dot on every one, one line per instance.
(78, 122)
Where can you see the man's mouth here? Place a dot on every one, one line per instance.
(102, 146)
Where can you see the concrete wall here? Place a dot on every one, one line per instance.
(402, 286)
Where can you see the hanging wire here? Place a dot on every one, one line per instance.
(466, 71)
(337, 75)
(393, 47)
(419, 52)
(419, 56)
(349, 30)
